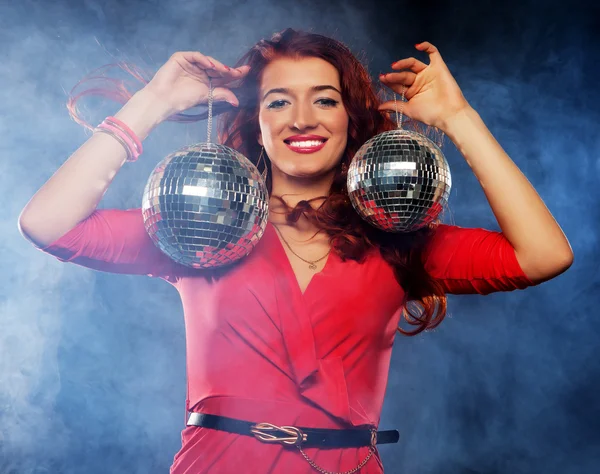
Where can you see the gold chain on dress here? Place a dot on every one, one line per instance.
(323, 471)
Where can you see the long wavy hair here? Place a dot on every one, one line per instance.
(350, 236)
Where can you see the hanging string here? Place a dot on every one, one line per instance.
(210, 107)
(399, 119)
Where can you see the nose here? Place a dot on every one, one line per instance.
(303, 117)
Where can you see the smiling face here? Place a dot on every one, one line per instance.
(303, 122)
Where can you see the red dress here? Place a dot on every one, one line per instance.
(259, 349)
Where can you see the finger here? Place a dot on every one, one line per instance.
(196, 58)
(223, 70)
(431, 50)
(411, 64)
(408, 92)
(243, 71)
(222, 94)
(233, 82)
(391, 108)
(405, 78)
(193, 61)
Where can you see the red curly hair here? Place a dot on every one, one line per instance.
(350, 236)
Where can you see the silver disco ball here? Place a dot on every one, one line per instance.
(399, 181)
(205, 206)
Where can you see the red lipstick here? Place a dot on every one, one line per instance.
(299, 143)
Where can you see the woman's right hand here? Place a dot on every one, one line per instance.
(183, 81)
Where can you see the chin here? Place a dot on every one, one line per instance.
(308, 169)
(308, 172)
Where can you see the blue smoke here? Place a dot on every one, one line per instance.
(507, 384)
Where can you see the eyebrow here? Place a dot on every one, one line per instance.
(283, 90)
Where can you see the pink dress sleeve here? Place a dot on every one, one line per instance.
(468, 260)
(114, 241)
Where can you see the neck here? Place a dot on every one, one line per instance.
(293, 190)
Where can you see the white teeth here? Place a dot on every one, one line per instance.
(306, 144)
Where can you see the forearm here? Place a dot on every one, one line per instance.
(540, 245)
(76, 188)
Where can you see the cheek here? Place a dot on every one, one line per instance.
(341, 121)
(341, 126)
(268, 128)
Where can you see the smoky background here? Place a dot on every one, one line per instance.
(507, 384)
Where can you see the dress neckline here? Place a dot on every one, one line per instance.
(286, 265)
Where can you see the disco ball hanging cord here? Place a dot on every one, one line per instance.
(399, 119)
(210, 109)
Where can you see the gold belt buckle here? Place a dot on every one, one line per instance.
(269, 433)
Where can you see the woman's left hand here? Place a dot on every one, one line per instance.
(432, 94)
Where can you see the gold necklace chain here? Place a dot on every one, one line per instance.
(311, 263)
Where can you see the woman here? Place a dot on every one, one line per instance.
(299, 333)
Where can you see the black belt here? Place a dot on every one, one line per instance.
(296, 436)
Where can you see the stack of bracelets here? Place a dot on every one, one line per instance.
(121, 132)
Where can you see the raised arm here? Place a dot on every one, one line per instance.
(74, 191)
(434, 98)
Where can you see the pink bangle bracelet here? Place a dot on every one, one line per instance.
(118, 138)
(133, 145)
(123, 126)
(132, 154)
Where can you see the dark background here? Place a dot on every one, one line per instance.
(509, 384)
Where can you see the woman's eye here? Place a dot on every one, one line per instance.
(276, 105)
(328, 102)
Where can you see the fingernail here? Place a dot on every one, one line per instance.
(228, 68)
